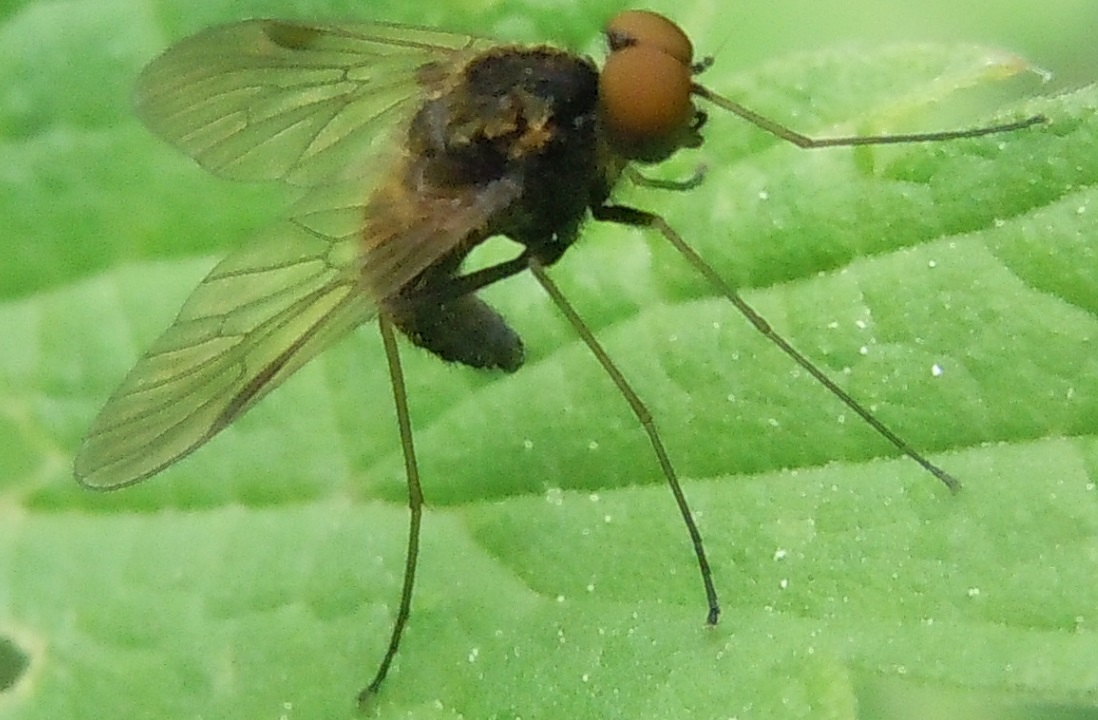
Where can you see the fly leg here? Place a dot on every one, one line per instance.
(640, 218)
(415, 506)
(640, 410)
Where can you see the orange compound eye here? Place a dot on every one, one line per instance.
(645, 94)
(642, 27)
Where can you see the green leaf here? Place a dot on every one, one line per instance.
(951, 287)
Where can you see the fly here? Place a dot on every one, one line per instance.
(411, 147)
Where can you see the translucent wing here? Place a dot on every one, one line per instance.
(255, 319)
(307, 104)
(261, 314)
(274, 100)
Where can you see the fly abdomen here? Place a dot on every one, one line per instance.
(465, 330)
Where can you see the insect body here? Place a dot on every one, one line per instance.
(412, 147)
(516, 139)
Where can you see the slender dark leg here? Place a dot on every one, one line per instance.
(460, 285)
(645, 418)
(415, 506)
(640, 218)
(804, 141)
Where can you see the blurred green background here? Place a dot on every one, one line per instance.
(1058, 35)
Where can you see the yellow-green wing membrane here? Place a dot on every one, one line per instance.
(256, 318)
(303, 103)
(261, 314)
